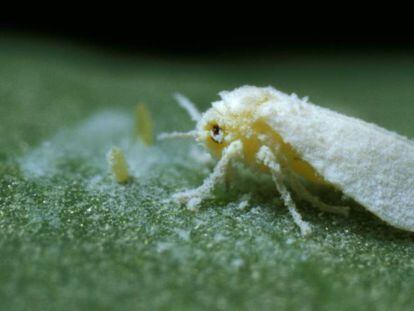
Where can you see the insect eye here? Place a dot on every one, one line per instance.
(216, 134)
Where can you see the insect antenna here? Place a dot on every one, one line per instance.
(188, 106)
(190, 134)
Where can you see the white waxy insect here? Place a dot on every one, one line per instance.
(298, 142)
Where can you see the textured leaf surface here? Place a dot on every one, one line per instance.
(71, 238)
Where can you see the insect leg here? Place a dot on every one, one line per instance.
(193, 197)
(306, 195)
(267, 158)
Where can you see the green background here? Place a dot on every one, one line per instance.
(72, 239)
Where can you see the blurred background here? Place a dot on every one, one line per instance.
(183, 29)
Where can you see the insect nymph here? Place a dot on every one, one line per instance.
(295, 141)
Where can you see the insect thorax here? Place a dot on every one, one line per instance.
(218, 130)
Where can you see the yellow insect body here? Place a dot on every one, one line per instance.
(253, 136)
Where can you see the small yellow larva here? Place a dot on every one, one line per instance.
(296, 141)
(118, 165)
(144, 126)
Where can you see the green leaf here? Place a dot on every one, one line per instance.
(72, 238)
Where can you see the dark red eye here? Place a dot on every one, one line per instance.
(216, 130)
(216, 134)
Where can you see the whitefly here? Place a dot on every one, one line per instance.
(298, 143)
